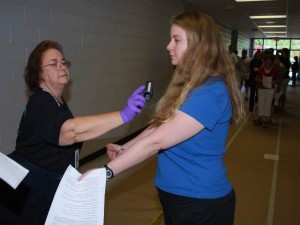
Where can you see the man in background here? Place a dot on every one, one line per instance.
(243, 68)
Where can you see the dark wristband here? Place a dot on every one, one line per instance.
(109, 172)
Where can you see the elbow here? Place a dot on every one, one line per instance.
(68, 138)
(68, 135)
(63, 141)
(156, 148)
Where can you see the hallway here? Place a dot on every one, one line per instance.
(263, 165)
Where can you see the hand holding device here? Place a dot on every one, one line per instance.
(134, 105)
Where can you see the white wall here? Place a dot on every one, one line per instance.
(226, 34)
(243, 43)
(114, 46)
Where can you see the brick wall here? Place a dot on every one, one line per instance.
(114, 46)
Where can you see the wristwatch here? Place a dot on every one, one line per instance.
(109, 172)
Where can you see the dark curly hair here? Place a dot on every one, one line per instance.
(268, 55)
(33, 67)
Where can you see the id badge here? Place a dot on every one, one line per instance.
(76, 158)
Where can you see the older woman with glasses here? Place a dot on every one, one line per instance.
(49, 137)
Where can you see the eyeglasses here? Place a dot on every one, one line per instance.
(55, 64)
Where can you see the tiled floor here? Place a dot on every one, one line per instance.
(263, 166)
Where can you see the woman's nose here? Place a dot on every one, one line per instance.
(169, 46)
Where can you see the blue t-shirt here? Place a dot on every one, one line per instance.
(195, 167)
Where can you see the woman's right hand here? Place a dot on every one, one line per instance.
(134, 105)
(113, 150)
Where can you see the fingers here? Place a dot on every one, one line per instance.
(113, 150)
(137, 103)
(113, 147)
(134, 105)
(139, 90)
(112, 155)
(109, 146)
(84, 175)
(137, 99)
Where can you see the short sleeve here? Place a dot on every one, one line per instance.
(49, 118)
(208, 103)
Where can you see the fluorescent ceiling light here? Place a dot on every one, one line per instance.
(273, 36)
(275, 32)
(253, 0)
(269, 17)
(272, 26)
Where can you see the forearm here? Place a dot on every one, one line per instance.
(85, 128)
(137, 153)
(143, 134)
(181, 128)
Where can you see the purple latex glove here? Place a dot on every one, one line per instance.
(134, 105)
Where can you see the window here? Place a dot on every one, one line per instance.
(295, 44)
(258, 44)
(269, 43)
(284, 44)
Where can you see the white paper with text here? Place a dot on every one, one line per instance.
(79, 202)
(11, 172)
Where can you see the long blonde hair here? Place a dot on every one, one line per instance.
(205, 56)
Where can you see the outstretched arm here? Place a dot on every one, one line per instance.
(179, 129)
(84, 128)
(113, 150)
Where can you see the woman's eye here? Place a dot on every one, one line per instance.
(53, 64)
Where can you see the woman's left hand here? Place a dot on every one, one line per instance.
(113, 150)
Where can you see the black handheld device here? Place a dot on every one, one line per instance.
(148, 92)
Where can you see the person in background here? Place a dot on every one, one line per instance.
(278, 65)
(49, 137)
(234, 54)
(285, 59)
(295, 69)
(189, 128)
(243, 68)
(255, 64)
(266, 79)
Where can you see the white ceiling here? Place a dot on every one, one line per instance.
(236, 15)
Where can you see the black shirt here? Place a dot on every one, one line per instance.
(287, 64)
(39, 130)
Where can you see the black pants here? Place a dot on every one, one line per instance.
(30, 202)
(253, 97)
(294, 78)
(180, 210)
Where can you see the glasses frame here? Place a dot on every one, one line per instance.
(54, 64)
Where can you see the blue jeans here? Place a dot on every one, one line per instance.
(180, 210)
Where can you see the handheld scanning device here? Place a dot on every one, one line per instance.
(148, 92)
